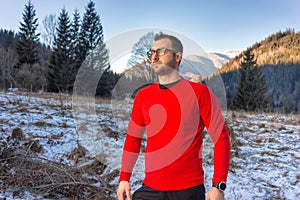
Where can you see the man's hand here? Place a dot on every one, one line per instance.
(215, 194)
(124, 187)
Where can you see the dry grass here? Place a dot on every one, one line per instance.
(24, 168)
(21, 169)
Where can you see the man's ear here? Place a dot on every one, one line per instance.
(178, 57)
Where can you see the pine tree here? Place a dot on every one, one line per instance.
(8, 58)
(26, 71)
(75, 31)
(91, 30)
(60, 68)
(95, 66)
(251, 86)
(75, 45)
(94, 56)
(27, 45)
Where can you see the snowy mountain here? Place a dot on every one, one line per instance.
(219, 59)
(193, 67)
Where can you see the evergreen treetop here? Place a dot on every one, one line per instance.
(91, 32)
(27, 45)
(251, 86)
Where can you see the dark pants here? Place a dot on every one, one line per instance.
(147, 193)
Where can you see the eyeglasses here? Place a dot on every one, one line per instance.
(159, 52)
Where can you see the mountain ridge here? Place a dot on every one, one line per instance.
(278, 48)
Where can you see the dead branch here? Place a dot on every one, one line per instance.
(23, 169)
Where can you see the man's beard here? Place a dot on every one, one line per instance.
(164, 68)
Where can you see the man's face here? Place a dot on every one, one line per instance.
(166, 63)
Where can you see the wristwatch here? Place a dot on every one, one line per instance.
(220, 185)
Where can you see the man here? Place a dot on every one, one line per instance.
(174, 112)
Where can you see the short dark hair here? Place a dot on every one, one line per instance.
(176, 43)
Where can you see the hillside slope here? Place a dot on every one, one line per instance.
(279, 48)
(279, 57)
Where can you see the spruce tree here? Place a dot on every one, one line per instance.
(91, 30)
(75, 32)
(60, 68)
(94, 56)
(27, 45)
(75, 44)
(251, 89)
(27, 67)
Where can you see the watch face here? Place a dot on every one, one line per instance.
(222, 186)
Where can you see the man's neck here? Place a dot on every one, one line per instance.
(170, 78)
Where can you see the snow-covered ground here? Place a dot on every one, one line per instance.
(266, 162)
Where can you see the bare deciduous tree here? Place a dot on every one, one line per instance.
(31, 77)
(138, 65)
(8, 59)
(48, 30)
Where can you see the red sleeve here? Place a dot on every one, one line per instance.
(212, 117)
(222, 156)
(133, 140)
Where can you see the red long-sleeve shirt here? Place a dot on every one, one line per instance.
(174, 120)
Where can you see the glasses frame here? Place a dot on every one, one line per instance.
(159, 52)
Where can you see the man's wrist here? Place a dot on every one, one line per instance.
(220, 185)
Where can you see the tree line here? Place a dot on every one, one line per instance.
(263, 78)
(277, 49)
(276, 61)
(53, 65)
(283, 87)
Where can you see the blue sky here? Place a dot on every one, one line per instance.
(215, 25)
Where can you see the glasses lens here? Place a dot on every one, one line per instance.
(149, 54)
(160, 52)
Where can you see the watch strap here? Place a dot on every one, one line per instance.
(220, 185)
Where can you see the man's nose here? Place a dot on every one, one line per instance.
(154, 56)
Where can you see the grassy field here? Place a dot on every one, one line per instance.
(53, 147)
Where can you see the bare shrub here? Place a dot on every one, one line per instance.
(17, 133)
(21, 169)
(40, 123)
(77, 153)
(21, 109)
(34, 146)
